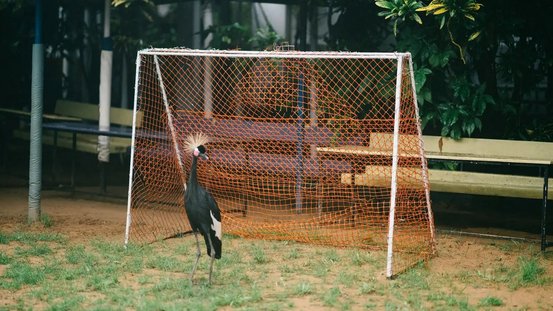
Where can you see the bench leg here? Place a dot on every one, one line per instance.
(73, 161)
(544, 243)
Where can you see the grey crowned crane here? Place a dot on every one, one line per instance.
(201, 208)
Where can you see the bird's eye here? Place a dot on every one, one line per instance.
(201, 149)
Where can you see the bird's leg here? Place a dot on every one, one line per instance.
(198, 254)
(212, 255)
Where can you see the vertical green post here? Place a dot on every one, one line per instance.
(37, 87)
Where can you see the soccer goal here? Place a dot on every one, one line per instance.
(314, 147)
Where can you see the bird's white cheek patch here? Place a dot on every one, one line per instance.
(216, 226)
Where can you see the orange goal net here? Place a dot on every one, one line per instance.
(315, 147)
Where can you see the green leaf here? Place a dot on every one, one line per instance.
(478, 123)
(445, 131)
(384, 4)
(474, 36)
(417, 18)
(468, 127)
(442, 22)
(469, 16)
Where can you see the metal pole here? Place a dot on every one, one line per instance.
(37, 99)
(393, 192)
(105, 94)
(299, 144)
(133, 146)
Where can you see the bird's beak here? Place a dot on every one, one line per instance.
(203, 156)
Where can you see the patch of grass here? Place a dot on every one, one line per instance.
(293, 253)
(77, 254)
(32, 237)
(415, 278)
(19, 274)
(46, 220)
(4, 238)
(102, 281)
(165, 263)
(490, 301)
(303, 288)
(347, 278)
(320, 268)
(360, 258)
(258, 254)
(331, 256)
(35, 249)
(367, 288)
(4, 258)
(70, 302)
(530, 271)
(330, 297)
(237, 297)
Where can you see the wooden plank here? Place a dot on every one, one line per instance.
(466, 149)
(15, 111)
(362, 151)
(488, 184)
(474, 149)
(122, 116)
(381, 176)
(75, 109)
(46, 116)
(460, 182)
(87, 111)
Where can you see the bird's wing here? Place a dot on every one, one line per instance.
(213, 207)
(215, 214)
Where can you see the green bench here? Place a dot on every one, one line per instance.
(466, 150)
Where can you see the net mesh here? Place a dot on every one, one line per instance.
(301, 147)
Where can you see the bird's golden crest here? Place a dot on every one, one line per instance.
(194, 140)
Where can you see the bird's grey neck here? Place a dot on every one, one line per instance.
(193, 178)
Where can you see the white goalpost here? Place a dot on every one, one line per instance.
(315, 147)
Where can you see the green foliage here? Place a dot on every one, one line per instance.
(399, 11)
(462, 115)
(237, 36)
(451, 103)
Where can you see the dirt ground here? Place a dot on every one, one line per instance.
(82, 219)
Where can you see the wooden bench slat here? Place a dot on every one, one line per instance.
(87, 111)
(488, 184)
(455, 182)
(85, 142)
(515, 151)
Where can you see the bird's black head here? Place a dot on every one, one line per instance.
(201, 152)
